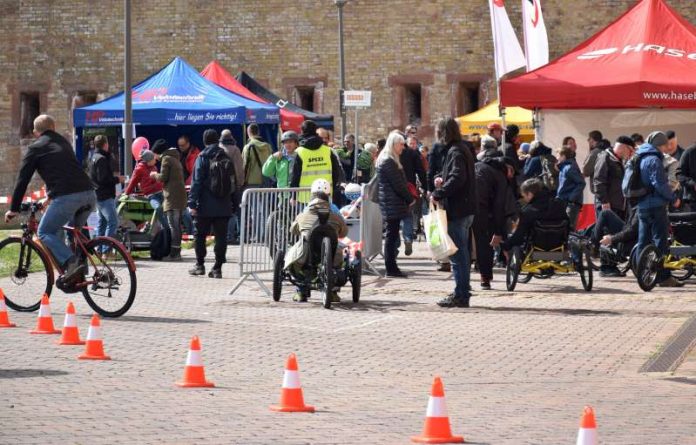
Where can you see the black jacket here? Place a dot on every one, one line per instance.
(687, 174)
(436, 160)
(101, 172)
(629, 233)
(588, 167)
(491, 190)
(337, 174)
(543, 207)
(607, 179)
(412, 164)
(458, 191)
(53, 157)
(394, 197)
(201, 197)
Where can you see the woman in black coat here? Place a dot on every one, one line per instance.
(394, 198)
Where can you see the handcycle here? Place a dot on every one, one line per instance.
(550, 249)
(27, 269)
(318, 272)
(680, 260)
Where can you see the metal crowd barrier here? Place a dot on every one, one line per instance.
(266, 216)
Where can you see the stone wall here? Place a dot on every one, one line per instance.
(61, 47)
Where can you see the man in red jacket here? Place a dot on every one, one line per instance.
(189, 154)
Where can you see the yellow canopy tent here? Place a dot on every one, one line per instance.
(477, 121)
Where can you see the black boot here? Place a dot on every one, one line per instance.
(198, 269)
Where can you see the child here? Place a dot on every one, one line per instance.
(303, 226)
(541, 206)
(570, 184)
(146, 184)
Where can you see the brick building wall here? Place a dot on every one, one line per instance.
(402, 50)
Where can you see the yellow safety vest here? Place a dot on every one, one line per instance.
(316, 164)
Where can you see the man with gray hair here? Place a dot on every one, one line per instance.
(229, 145)
(69, 188)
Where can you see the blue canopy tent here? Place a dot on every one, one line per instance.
(175, 101)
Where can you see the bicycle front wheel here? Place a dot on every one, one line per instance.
(25, 274)
(111, 280)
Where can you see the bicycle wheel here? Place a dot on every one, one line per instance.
(326, 272)
(512, 271)
(585, 271)
(111, 277)
(26, 274)
(649, 266)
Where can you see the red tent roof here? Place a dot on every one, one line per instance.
(220, 76)
(645, 58)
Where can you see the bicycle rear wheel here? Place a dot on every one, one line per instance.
(112, 279)
(26, 274)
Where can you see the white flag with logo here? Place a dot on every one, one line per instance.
(536, 42)
(507, 50)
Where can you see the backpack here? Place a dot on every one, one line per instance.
(221, 175)
(161, 244)
(632, 185)
(549, 172)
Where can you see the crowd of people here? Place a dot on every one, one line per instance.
(493, 187)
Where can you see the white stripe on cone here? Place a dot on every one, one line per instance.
(436, 407)
(194, 358)
(94, 333)
(291, 380)
(70, 320)
(587, 436)
(44, 311)
(2, 305)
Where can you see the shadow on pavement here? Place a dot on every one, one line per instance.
(373, 305)
(549, 311)
(143, 319)
(27, 373)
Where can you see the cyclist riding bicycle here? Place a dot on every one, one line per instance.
(69, 189)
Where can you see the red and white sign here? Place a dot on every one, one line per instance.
(507, 51)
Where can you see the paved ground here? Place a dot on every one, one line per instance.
(517, 368)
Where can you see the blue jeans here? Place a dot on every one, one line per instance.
(407, 228)
(458, 230)
(156, 201)
(61, 211)
(653, 225)
(108, 218)
(187, 221)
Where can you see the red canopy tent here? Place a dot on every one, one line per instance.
(217, 74)
(645, 58)
(635, 75)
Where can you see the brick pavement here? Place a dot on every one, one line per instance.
(517, 367)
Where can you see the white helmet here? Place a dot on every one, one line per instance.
(321, 186)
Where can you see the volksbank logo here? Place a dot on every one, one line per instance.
(640, 47)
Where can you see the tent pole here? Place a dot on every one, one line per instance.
(128, 111)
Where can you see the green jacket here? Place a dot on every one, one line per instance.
(171, 175)
(366, 165)
(278, 169)
(253, 166)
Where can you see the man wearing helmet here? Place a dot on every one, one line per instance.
(278, 165)
(303, 226)
(314, 160)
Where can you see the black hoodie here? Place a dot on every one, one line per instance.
(313, 142)
(543, 207)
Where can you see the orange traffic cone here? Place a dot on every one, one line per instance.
(194, 372)
(291, 398)
(4, 318)
(71, 335)
(44, 325)
(94, 348)
(437, 426)
(587, 434)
